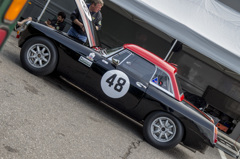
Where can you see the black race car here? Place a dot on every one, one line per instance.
(129, 79)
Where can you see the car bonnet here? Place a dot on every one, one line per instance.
(88, 24)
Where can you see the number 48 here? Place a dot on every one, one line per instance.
(120, 82)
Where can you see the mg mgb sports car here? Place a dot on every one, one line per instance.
(129, 78)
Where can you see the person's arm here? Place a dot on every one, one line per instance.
(62, 26)
(50, 26)
(74, 17)
(76, 21)
(20, 23)
(98, 22)
(98, 25)
(97, 28)
(48, 23)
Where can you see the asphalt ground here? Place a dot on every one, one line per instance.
(46, 118)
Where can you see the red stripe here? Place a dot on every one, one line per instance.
(91, 35)
(198, 110)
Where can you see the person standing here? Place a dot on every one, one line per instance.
(77, 29)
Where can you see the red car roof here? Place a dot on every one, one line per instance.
(171, 70)
(151, 57)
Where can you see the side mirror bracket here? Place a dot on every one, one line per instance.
(115, 62)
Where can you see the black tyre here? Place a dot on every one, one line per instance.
(162, 130)
(39, 56)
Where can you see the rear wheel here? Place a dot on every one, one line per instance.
(39, 56)
(162, 130)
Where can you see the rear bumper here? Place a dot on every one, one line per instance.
(228, 145)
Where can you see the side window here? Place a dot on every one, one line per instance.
(161, 79)
(138, 67)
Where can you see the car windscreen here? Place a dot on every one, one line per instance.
(111, 51)
(134, 65)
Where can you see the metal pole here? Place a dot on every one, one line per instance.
(170, 51)
(45, 7)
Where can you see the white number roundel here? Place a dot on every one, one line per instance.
(115, 83)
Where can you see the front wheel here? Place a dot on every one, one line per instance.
(39, 56)
(162, 130)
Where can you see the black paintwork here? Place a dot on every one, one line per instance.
(137, 103)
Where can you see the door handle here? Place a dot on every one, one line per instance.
(139, 84)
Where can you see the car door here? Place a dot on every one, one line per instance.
(120, 80)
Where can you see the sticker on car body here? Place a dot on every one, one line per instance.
(115, 83)
(85, 61)
(91, 56)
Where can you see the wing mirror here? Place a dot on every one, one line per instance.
(115, 61)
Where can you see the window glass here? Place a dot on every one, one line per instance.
(133, 64)
(120, 56)
(162, 80)
(109, 51)
(138, 67)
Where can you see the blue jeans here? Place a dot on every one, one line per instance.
(74, 33)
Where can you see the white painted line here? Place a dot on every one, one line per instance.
(222, 154)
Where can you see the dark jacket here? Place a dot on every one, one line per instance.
(96, 17)
(58, 26)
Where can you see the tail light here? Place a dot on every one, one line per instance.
(11, 10)
(215, 134)
(3, 34)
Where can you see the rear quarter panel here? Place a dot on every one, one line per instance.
(198, 130)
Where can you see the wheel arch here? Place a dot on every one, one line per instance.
(53, 45)
(39, 35)
(163, 136)
(201, 143)
(165, 111)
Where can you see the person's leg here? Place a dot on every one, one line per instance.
(24, 20)
(70, 32)
(82, 38)
(74, 33)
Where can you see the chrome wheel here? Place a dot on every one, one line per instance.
(38, 55)
(163, 129)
